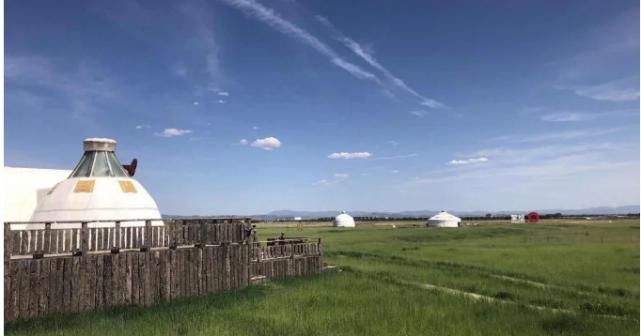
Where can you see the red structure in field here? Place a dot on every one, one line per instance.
(533, 217)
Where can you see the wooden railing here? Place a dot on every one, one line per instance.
(59, 239)
(261, 252)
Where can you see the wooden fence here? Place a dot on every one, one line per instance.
(53, 240)
(189, 258)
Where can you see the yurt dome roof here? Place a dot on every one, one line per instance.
(343, 219)
(444, 216)
(98, 188)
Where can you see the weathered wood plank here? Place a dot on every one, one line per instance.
(76, 280)
(135, 279)
(43, 308)
(91, 282)
(100, 283)
(173, 281)
(115, 279)
(107, 280)
(32, 295)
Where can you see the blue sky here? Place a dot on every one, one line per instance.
(242, 107)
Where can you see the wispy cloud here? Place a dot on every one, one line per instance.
(199, 17)
(614, 91)
(336, 179)
(269, 17)
(268, 144)
(349, 156)
(173, 132)
(393, 143)
(547, 161)
(223, 93)
(468, 161)
(142, 126)
(220, 101)
(372, 61)
(418, 113)
(566, 117)
(560, 135)
(179, 69)
(80, 88)
(586, 116)
(244, 141)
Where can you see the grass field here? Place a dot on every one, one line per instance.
(551, 278)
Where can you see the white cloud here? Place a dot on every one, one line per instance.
(255, 128)
(341, 175)
(220, 101)
(142, 126)
(349, 156)
(393, 143)
(173, 132)
(244, 141)
(369, 58)
(614, 91)
(267, 144)
(268, 16)
(223, 93)
(418, 113)
(196, 103)
(395, 171)
(468, 161)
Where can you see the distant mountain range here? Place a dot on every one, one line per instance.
(283, 214)
(289, 214)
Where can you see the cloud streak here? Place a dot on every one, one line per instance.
(614, 91)
(269, 17)
(173, 132)
(336, 179)
(349, 156)
(481, 159)
(357, 49)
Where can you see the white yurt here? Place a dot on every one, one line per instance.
(444, 219)
(517, 219)
(344, 220)
(99, 188)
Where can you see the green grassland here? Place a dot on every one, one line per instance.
(553, 278)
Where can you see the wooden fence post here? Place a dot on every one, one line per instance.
(117, 235)
(203, 234)
(8, 247)
(147, 244)
(46, 247)
(84, 241)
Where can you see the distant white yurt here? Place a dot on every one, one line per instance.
(344, 220)
(518, 219)
(99, 188)
(444, 219)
